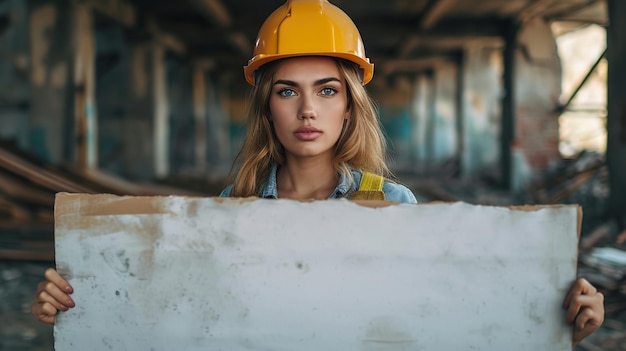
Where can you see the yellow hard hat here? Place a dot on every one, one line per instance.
(308, 28)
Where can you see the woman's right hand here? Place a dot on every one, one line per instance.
(52, 296)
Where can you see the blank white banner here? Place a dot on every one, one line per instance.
(177, 273)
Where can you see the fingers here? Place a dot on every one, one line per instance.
(53, 276)
(585, 309)
(587, 318)
(55, 297)
(44, 312)
(580, 287)
(52, 296)
(587, 321)
(581, 302)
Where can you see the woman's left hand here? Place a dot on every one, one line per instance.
(585, 309)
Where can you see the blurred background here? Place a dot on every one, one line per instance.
(494, 102)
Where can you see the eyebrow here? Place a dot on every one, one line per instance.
(316, 83)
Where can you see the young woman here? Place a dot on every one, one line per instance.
(313, 133)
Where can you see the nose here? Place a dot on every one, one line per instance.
(307, 109)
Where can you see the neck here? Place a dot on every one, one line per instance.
(306, 179)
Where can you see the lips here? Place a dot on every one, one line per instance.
(307, 133)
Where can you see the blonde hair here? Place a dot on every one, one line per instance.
(361, 144)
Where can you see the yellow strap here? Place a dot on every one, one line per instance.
(371, 182)
(371, 188)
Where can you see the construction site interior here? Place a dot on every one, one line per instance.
(500, 102)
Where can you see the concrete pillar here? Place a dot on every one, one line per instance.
(430, 119)
(84, 61)
(138, 134)
(481, 114)
(50, 122)
(444, 123)
(200, 118)
(537, 87)
(616, 129)
(15, 104)
(147, 138)
(459, 109)
(422, 112)
(160, 112)
(113, 90)
(507, 124)
(218, 143)
(183, 136)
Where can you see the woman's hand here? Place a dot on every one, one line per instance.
(585, 309)
(52, 296)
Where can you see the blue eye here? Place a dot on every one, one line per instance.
(286, 92)
(329, 91)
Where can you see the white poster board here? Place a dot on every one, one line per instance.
(176, 273)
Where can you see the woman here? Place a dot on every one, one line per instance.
(313, 133)
(312, 129)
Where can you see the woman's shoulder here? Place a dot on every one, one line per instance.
(398, 192)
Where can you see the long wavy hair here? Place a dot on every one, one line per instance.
(361, 144)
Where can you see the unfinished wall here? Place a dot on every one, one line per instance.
(394, 107)
(444, 143)
(218, 144)
(537, 90)
(423, 125)
(51, 109)
(482, 111)
(418, 113)
(112, 90)
(81, 86)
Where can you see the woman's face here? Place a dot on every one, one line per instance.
(308, 106)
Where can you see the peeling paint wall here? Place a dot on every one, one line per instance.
(482, 112)
(537, 89)
(425, 133)
(145, 125)
(444, 143)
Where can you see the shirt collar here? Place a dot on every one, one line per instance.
(270, 189)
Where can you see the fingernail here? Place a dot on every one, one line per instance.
(68, 289)
(70, 303)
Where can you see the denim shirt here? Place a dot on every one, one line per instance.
(393, 191)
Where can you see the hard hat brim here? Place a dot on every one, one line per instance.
(258, 61)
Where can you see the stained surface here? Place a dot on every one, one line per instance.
(198, 273)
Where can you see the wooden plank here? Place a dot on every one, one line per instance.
(25, 192)
(84, 86)
(38, 174)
